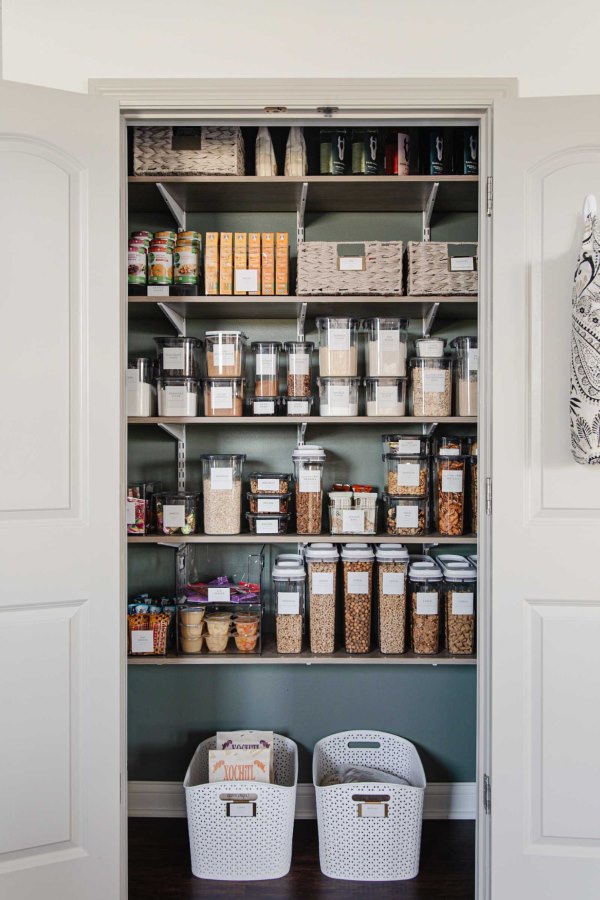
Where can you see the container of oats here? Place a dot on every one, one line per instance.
(289, 596)
(460, 589)
(430, 386)
(449, 494)
(406, 475)
(357, 566)
(406, 516)
(222, 492)
(425, 589)
(392, 569)
(309, 462)
(321, 564)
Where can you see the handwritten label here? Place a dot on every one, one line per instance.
(407, 516)
(353, 520)
(219, 595)
(267, 526)
(267, 505)
(358, 582)
(408, 475)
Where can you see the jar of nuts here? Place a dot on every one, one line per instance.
(309, 461)
(425, 598)
(321, 562)
(431, 386)
(449, 494)
(298, 368)
(392, 566)
(289, 589)
(357, 561)
(460, 585)
(406, 475)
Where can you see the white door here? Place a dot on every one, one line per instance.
(59, 496)
(545, 779)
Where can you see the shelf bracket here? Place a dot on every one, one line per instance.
(174, 208)
(429, 210)
(301, 431)
(178, 322)
(300, 212)
(301, 321)
(429, 427)
(181, 568)
(177, 432)
(177, 547)
(428, 547)
(429, 319)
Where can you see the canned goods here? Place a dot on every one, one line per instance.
(160, 265)
(185, 263)
(136, 263)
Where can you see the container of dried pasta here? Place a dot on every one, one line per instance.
(430, 386)
(357, 564)
(460, 588)
(425, 587)
(392, 568)
(289, 595)
(449, 494)
(406, 516)
(222, 492)
(406, 475)
(321, 564)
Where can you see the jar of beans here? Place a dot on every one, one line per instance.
(322, 562)
(298, 368)
(425, 606)
(357, 562)
(289, 590)
(392, 567)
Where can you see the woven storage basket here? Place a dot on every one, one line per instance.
(319, 272)
(221, 152)
(352, 844)
(242, 848)
(429, 269)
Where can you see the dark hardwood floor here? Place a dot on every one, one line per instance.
(159, 868)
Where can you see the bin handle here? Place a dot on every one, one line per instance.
(371, 798)
(234, 798)
(363, 745)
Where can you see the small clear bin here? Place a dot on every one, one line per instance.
(338, 346)
(224, 396)
(385, 396)
(177, 396)
(263, 406)
(177, 512)
(406, 475)
(225, 353)
(385, 352)
(178, 356)
(406, 516)
(338, 396)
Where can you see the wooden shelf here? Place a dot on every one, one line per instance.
(350, 193)
(298, 420)
(296, 539)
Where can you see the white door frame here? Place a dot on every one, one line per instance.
(412, 99)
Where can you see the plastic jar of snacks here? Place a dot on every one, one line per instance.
(385, 352)
(266, 368)
(465, 375)
(222, 492)
(406, 516)
(321, 563)
(140, 390)
(338, 346)
(406, 444)
(431, 387)
(406, 475)
(449, 494)
(289, 596)
(425, 585)
(269, 503)
(263, 406)
(267, 523)
(474, 483)
(178, 356)
(392, 568)
(357, 564)
(309, 461)
(450, 446)
(338, 396)
(177, 512)
(225, 353)
(270, 483)
(460, 590)
(430, 348)
(297, 406)
(177, 396)
(352, 513)
(385, 396)
(224, 396)
(298, 368)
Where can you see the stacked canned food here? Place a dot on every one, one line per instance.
(164, 258)
(269, 502)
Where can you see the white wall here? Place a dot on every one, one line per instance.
(549, 45)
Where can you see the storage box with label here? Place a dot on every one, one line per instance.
(441, 268)
(368, 267)
(184, 150)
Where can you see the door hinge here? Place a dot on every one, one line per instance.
(490, 195)
(487, 795)
(488, 496)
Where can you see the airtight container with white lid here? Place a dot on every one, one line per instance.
(357, 563)
(473, 559)
(322, 564)
(309, 461)
(289, 590)
(225, 353)
(425, 598)
(460, 590)
(431, 348)
(392, 566)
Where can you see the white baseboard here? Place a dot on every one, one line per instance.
(166, 799)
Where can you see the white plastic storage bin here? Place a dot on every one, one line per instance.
(242, 830)
(369, 831)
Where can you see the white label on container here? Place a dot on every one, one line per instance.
(298, 407)
(175, 398)
(266, 363)
(407, 516)
(267, 526)
(221, 396)
(427, 604)
(373, 810)
(133, 379)
(408, 475)
(387, 395)
(322, 583)
(242, 810)
(288, 603)
(221, 478)
(267, 504)
(299, 363)
(452, 482)
(309, 482)
(173, 358)
(389, 340)
(462, 603)
(462, 263)
(434, 381)
(339, 398)
(142, 641)
(450, 451)
(263, 407)
(246, 279)
(268, 484)
(131, 512)
(158, 290)
(409, 447)
(393, 583)
(358, 582)
(351, 263)
(219, 595)
(473, 359)
(430, 348)
(353, 520)
(223, 355)
(174, 516)
(338, 338)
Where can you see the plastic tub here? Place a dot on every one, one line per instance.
(141, 394)
(269, 503)
(178, 356)
(406, 475)
(246, 627)
(385, 396)
(222, 492)
(431, 387)
(297, 406)
(218, 623)
(270, 482)
(385, 351)
(191, 615)
(191, 644)
(224, 396)
(263, 406)
(406, 444)
(266, 368)
(338, 396)
(177, 396)
(338, 346)
(407, 516)
(225, 353)
(298, 368)
(268, 524)
(216, 643)
(177, 512)
(191, 631)
(245, 643)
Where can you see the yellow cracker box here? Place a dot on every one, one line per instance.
(211, 263)
(254, 257)
(240, 260)
(282, 263)
(226, 263)
(268, 263)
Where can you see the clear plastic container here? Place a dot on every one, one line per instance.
(338, 346)
(431, 387)
(425, 608)
(141, 394)
(263, 406)
(385, 396)
(297, 406)
(269, 503)
(406, 475)
(266, 368)
(357, 565)
(454, 445)
(460, 593)
(309, 461)
(177, 512)
(392, 568)
(338, 396)
(449, 494)
(406, 444)
(177, 396)
(178, 356)
(225, 353)
(222, 492)
(430, 348)
(298, 368)
(407, 516)
(224, 396)
(289, 597)
(259, 523)
(474, 484)
(270, 482)
(385, 352)
(353, 520)
(465, 375)
(321, 564)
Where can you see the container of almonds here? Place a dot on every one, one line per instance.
(449, 494)
(322, 563)
(460, 588)
(425, 586)
(357, 563)
(289, 593)
(392, 567)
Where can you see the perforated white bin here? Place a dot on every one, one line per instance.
(369, 831)
(242, 830)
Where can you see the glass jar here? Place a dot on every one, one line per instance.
(140, 390)
(425, 601)
(266, 368)
(178, 356)
(222, 492)
(338, 346)
(430, 348)
(385, 353)
(224, 396)
(449, 494)
(225, 353)
(263, 406)
(406, 444)
(309, 461)
(289, 596)
(392, 567)
(385, 396)
(321, 563)
(177, 512)
(357, 564)
(406, 475)
(407, 516)
(431, 387)
(177, 396)
(297, 406)
(465, 375)
(298, 368)
(460, 589)
(474, 484)
(338, 396)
